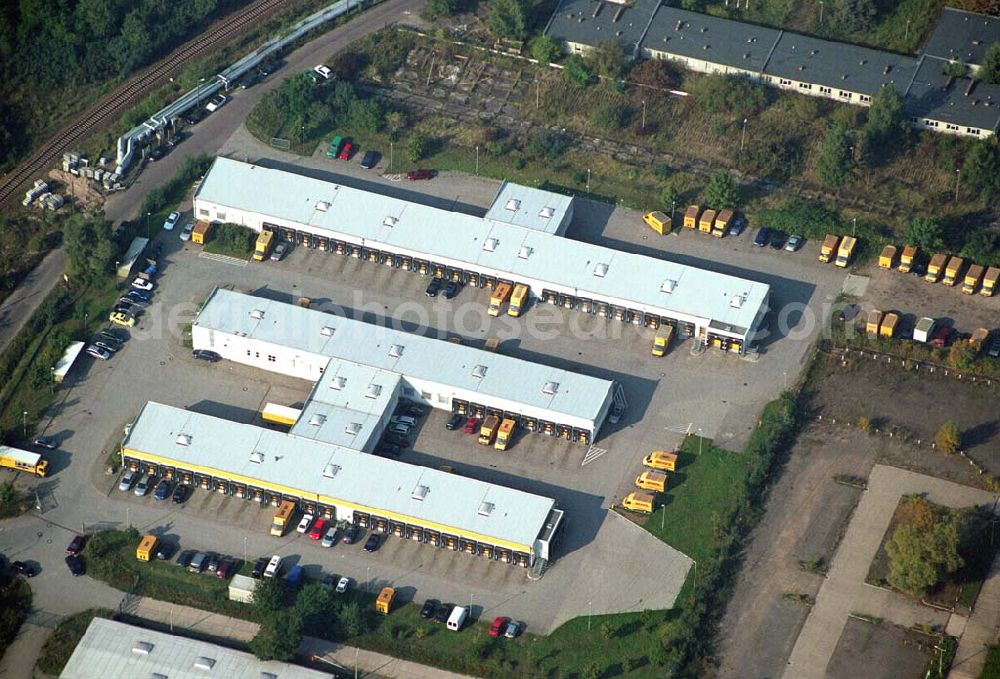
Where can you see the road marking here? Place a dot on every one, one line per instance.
(225, 259)
(592, 455)
(681, 428)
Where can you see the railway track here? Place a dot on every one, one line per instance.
(111, 106)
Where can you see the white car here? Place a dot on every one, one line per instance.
(343, 584)
(143, 284)
(216, 103)
(172, 219)
(186, 232)
(272, 566)
(329, 538)
(128, 478)
(98, 352)
(305, 523)
(323, 71)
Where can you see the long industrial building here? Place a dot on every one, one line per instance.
(527, 247)
(427, 505)
(371, 365)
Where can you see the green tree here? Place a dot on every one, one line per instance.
(948, 438)
(88, 246)
(546, 49)
(352, 619)
(722, 191)
(989, 71)
(731, 94)
(854, 16)
(670, 197)
(314, 606)
(365, 115)
(8, 492)
(607, 59)
(610, 117)
(508, 19)
(886, 129)
(577, 71)
(547, 144)
(920, 559)
(416, 147)
(925, 233)
(982, 247)
(834, 161)
(395, 121)
(269, 596)
(279, 636)
(436, 9)
(956, 69)
(982, 168)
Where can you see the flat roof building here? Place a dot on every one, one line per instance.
(585, 23)
(114, 650)
(378, 364)
(412, 502)
(963, 36)
(716, 308)
(944, 103)
(531, 208)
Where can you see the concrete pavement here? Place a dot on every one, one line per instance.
(845, 590)
(979, 631)
(29, 293)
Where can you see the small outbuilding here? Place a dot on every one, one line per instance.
(241, 588)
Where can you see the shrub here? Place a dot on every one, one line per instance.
(416, 147)
(610, 117)
(730, 94)
(577, 72)
(548, 145)
(948, 438)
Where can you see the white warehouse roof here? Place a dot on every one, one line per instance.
(407, 354)
(588, 270)
(318, 470)
(531, 208)
(113, 649)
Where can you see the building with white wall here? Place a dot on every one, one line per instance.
(718, 309)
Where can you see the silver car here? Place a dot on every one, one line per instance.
(128, 478)
(143, 486)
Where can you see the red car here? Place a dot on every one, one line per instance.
(471, 426)
(345, 153)
(316, 532)
(498, 626)
(942, 337)
(75, 545)
(419, 174)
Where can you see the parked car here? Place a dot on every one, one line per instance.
(351, 535)
(373, 542)
(343, 584)
(184, 558)
(414, 175)
(142, 487)
(454, 422)
(512, 630)
(172, 219)
(794, 243)
(197, 564)
(206, 355)
(258, 568)
(273, 567)
(777, 239)
(403, 419)
(250, 80)
(345, 151)
(213, 562)
(316, 532)
(76, 544)
(498, 626)
(45, 442)
(143, 284)
(75, 564)
(616, 413)
(128, 478)
(26, 569)
(443, 613)
(106, 347)
(165, 549)
(162, 491)
(329, 538)
(389, 448)
(157, 153)
(186, 231)
(323, 71)
(142, 296)
(226, 569)
(269, 68)
(763, 237)
(399, 429)
(98, 353)
(471, 426)
(429, 608)
(216, 102)
(369, 160)
(450, 289)
(434, 287)
(736, 228)
(993, 350)
(180, 494)
(279, 252)
(305, 523)
(122, 318)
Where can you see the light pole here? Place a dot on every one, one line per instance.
(368, 587)
(24, 423)
(643, 115)
(588, 180)
(590, 612)
(673, 203)
(784, 376)
(147, 225)
(743, 135)
(854, 227)
(477, 160)
(700, 440)
(244, 549)
(958, 176)
(821, 12)
(390, 156)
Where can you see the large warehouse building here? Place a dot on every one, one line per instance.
(414, 503)
(527, 247)
(370, 364)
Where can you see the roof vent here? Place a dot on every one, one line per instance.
(486, 508)
(862, 62)
(322, 205)
(373, 391)
(352, 428)
(184, 439)
(396, 350)
(490, 244)
(707, 46)
(390, 221)
(546, 213)
(257, 457)
(157, 675)
(843, 76)
(257, 314)
(420, 492)
(317, 419)
(513, 204)
(668, 286)
(746, 55)
(886, 69)
(736, 302)
(551, 388)
(330, 470)
(327, 331)
(479, 372)
(142, 647)
(267, 675)
(813, 53)
(802, 67)
(525, 252)
(679, 26)
(204, 663)
(704, 29)
(601, 270)
(339, 382)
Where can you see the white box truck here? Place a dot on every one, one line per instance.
(923, 330)
(457, 618)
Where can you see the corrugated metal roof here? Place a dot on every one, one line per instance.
(432, 233)
(111, 649)
(420, 357)
(305, 465)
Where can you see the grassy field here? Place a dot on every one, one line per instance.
(59, 646)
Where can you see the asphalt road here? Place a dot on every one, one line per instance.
(18, 307)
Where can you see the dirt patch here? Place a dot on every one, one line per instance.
(915, 298)
(806, 515)
(879, 651)
(82, 191)
(914, 406)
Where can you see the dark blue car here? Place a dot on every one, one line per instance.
(162, 491)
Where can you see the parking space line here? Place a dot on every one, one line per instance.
(681, 428)
(592, 455)
(225, 259)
